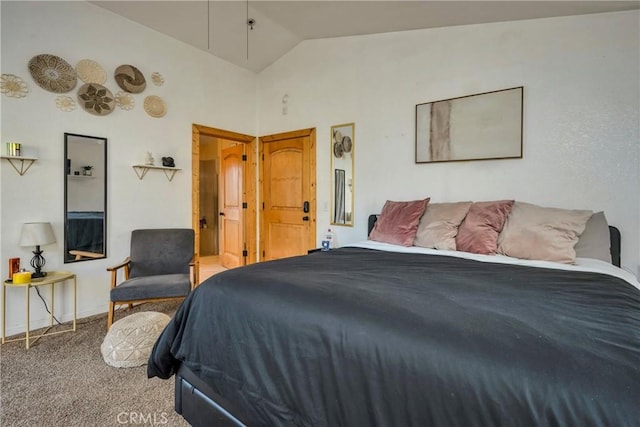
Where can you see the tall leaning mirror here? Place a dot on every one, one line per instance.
(342, 164)
(85, 197)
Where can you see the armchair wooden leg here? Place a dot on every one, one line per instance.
(112, 307)
(130, 306)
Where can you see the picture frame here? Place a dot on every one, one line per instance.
(14, 267)
(484, 126)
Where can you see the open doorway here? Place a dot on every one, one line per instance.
(224, 199)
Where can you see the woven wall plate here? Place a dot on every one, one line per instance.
(96, 99)
(125, 100)
(13, 86)
(89, 71)
(65, 103)
(52, 73)
(347, 144)
(155, 106)
(157, 78)
(130, 79)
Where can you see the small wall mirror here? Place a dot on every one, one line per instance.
(85, 197)
(342, 164)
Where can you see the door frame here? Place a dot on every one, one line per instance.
(311, 133)
(248, 184)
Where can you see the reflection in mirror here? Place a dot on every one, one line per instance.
(342, 164)
(85, 197)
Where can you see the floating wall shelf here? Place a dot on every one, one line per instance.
(20, 163)
(141, 170)
(80, 177)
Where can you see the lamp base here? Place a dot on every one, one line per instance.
(38, 274)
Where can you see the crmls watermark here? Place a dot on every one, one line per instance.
(139, 418)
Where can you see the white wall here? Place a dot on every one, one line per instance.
(199, 88)
(581, 139)
(581, 78)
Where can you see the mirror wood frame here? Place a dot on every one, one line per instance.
(88, 215)
(342, 174)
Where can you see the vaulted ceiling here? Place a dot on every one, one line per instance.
(220, 27)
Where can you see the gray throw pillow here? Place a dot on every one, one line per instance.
(594, 242)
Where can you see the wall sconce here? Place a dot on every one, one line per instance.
(37, 234)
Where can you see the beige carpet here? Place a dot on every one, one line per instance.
(63, 381)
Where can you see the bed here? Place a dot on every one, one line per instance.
(375, 335)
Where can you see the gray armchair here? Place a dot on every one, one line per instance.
(162, 265)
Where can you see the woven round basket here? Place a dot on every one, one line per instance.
(130, 79)
(52, 73)
(89, 71)
(96, 99)
(155, 106)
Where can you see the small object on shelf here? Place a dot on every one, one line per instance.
(148, 160)
(76, 172)
(14, 149)
(86, 170)
(14, 266)
(21, 277)
(168, 162)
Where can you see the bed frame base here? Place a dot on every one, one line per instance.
(200, 405)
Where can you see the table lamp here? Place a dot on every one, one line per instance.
(37, 234)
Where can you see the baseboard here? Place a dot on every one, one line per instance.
(43, 322)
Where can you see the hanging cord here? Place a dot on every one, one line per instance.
(247, 22)
(46, 307)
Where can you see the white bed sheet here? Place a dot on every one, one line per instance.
(582, 264)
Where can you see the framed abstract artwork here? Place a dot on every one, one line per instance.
(474, 127)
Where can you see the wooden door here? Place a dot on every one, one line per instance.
(231, 211)
(208, 207)
(288, 225)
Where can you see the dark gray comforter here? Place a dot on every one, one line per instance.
(356, 337)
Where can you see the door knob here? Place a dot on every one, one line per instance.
(221, 214)
(305, 218)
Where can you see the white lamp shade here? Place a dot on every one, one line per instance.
(36, 234)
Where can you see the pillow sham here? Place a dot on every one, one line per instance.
(542, 233)
(479, 231)
(595, 240)
(438, 226)
(398, 222)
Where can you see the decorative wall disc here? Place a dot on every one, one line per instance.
(65, 103)
(157, 79)
(52, 73)
(90, 71)
(125, 100)
(155, 106)
(96, 99)
(130, 79)
(347, 144)
(338, 149)
(13, 86)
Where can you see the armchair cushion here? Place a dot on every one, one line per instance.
(148, 287)
(161, 251)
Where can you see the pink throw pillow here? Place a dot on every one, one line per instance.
(398, 222)
(479, 231)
